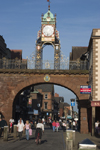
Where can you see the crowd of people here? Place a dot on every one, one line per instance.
(38, 124)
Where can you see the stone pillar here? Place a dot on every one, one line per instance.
(93, 120)
(73, 137)
(15, 131)
(5, 135)
(83, 121)
(69, 139)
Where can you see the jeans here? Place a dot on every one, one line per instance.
(53, 128)
(57, 129)
(27, 134)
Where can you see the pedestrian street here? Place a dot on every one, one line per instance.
(50, 140)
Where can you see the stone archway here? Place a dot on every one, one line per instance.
(15, 82)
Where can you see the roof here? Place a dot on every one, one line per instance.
(61, 105)
(48, 15)
(16, 54)
(66, 104)
(59, 99)
(45, 87)
(77, 52)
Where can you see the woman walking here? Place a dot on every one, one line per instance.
(53, 126)
(57, 126)
(27, 127)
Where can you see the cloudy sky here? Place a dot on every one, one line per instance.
(21, 19)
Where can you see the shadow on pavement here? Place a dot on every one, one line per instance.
(43, 141)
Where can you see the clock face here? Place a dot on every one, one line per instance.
(48, 30)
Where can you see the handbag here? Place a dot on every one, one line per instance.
(30, 131)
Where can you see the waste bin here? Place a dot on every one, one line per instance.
(86, 145)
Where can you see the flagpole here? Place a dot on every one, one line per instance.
(48, 4)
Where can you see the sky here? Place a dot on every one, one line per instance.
(20, 21)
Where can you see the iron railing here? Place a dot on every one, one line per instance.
(46, 64)
(13, 64)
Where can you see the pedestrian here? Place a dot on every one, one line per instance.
(21, 120)
(20, 128)
(3, 123)
(96, 126)
(53, 126)
(74, 124)
(27, 127)
(64, 126)
(11, 121)
(57, 126)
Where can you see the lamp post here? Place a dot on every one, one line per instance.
(72, 104)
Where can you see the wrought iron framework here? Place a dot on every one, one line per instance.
(65, 64)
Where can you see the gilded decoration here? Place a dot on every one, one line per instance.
(46, 78)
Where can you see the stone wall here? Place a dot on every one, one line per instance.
(13, 82)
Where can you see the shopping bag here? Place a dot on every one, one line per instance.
(30, 131)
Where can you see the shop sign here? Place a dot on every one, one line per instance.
(35, 112)
(85, 89)
(30, 101)
(95, 103)
(69, 117)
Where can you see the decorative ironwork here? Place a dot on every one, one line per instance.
(13, 64)
(65, 64)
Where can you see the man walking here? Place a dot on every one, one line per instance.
(3, 123)
(20, 127)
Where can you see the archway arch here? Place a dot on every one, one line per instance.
(20, 80)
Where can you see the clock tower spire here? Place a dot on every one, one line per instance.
(48, 35)
(48, 4)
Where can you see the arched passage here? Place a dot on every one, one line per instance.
(16, 82)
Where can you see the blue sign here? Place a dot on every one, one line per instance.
(35, 112)
(72, 103)
(47, 114)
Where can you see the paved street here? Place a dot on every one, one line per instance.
(50, 140)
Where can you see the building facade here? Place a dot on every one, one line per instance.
(94, 77)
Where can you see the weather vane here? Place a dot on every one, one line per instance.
(48, 4)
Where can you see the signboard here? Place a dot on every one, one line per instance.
(72, 103)
(69, 117)
(29, 101)
(85, 89)
(35, 112)
(95, 103)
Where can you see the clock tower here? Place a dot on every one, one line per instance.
(48, 35)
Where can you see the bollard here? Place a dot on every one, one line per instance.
(5, 135)
(69, 139)
(69, 134)
(73, 137)
(15, 131)
(69, 144)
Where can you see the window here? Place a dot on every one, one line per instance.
(46, 96)
(45, 105)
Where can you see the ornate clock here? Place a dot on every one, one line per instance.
(48, 30)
